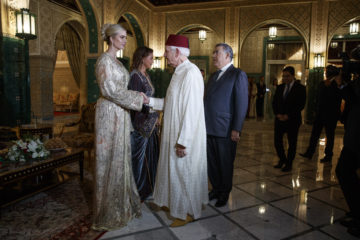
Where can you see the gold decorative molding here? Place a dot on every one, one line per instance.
(219, 4)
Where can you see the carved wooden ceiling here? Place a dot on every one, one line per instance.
(171, 2)
(69, 4)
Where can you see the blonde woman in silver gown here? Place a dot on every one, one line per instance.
(116, 200)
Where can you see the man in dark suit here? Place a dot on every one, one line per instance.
(226, 101)
(289, 101)
(327, 114)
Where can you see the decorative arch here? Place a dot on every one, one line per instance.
(92, 25)
(275, 21)
(78, 27)
(136, 28)
(332, 34)
(190, 26)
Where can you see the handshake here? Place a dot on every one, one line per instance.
(146, 98)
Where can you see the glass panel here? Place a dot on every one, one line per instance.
(19, 28)
(26, 22)
(33, 25)
(285, 51)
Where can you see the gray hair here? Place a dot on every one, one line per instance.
(182, 50)
(227, 49)
(110, 30)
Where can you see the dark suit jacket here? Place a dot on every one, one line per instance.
(226, 102)
(293, 104)
(329, 102)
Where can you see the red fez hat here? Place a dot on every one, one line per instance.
(177, 41)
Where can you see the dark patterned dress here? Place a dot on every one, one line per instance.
(144, 138)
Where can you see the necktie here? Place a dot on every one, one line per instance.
(287, 90)
(216, 75)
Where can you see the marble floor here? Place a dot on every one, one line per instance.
(265, 203)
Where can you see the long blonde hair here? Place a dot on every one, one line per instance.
(108, 30)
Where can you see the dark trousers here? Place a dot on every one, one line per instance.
(260, 107)
(221, 155)
(291, 129)
(349, 162)
(319, 124)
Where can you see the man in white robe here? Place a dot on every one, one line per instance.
(181, 180)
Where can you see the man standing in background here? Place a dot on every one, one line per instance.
(289, 101)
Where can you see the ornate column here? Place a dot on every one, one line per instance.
(319, 29)
(232, 25)
(318, 45)
(157, 35)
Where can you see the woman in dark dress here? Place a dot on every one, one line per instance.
(144, 138)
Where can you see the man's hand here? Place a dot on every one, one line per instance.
(282, 117)
(146, 99)
(235, 135)
(180, 151)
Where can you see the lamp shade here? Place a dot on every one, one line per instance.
(25, 24)
(157, 63)
(271, 46)
(120, 53)
(202, 35)
(354, 28)
(319, 61)
(272, 32)
(334, 44)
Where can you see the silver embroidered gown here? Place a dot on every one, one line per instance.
(116, 200)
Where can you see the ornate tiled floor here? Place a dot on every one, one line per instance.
(265, 203)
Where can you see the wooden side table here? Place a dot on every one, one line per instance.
(14, 173)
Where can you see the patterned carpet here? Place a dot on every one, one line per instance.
(63, 212)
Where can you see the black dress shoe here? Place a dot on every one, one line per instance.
(355, 231)
(286, 169)
(213, 195)
(348, 222)
(325, 159)
(279, 165)
(221, 202)
(306, 155)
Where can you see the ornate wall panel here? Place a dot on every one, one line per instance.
(57, 16)
(297, 15)
(340, 12)
(214, 19)
(8, 21)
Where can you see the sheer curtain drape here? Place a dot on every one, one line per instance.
(74, 49)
